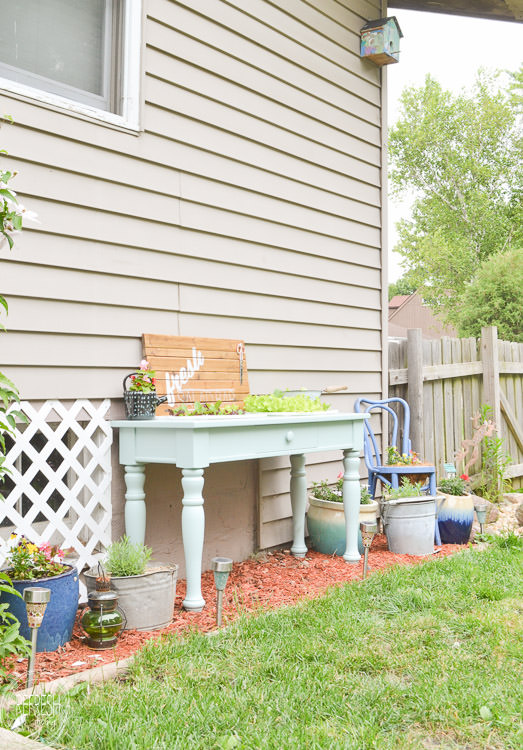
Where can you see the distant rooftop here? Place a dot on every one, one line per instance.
(398, 300)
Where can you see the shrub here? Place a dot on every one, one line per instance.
(127, 559)
(12, 644)
(323, 491)
(453, 486)
(406, 489)
(494, 298)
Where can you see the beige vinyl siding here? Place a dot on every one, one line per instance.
(249, 207)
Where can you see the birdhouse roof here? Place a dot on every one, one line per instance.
(381, 22)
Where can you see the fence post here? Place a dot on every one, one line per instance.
(415, 387)
(490, 361)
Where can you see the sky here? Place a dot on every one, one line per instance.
(451, 49)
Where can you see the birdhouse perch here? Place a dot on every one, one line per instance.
(380, 41)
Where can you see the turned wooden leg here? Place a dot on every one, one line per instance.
(193, 526)
(299, 504)
(135, 503)
(351, 503)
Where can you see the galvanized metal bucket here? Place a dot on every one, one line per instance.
(146, 600)
(410, 524)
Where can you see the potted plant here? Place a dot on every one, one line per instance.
(455, 510)
(409, 519)
(395, 458)
(146, 590)
(28, 564)
(326, 517)
(140, 397)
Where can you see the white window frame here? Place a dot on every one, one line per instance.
(130, 85)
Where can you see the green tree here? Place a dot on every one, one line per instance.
(495, 297)
(460, 157)
(401, 286)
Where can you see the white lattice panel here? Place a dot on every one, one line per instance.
(59, 490)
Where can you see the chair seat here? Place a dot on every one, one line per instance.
(392, 474)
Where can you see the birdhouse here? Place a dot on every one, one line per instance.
(380, 41)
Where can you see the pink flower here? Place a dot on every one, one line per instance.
(340, 475)
(144, 364)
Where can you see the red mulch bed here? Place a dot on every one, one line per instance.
(271, 581)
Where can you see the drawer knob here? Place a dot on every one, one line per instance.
(289, 437)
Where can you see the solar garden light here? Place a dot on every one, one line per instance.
(221, 567)
(36, 599)
(480, 506)
(368, 530)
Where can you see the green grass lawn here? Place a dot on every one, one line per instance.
(418, 657)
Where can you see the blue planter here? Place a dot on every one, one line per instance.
(57, 626)
(326, 527)
(455, 517)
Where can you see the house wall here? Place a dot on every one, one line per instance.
(249, 207)
(414, 314)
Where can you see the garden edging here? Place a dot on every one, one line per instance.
(102, 673)
(14, 741)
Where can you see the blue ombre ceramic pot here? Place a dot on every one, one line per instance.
(57, 626)
(326, 527)
(455, 517)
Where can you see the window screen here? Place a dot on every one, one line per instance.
(66, 47)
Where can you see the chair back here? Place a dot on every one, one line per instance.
(372, 453)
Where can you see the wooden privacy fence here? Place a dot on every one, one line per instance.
(445, 382)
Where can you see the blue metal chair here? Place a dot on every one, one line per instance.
(378, 470)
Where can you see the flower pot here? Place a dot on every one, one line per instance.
(146, 600)
(409, 524)
(142, 405)
(139, 405)
(326, 525)
(369, 511)
(57, 626)
(455, 517)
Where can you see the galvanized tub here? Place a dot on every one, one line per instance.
(147, 600)
(409, 524)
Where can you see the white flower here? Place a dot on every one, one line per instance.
(27, 215)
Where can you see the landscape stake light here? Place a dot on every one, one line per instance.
(480, 506)
(368, 530)
(221, 567)
(36, 599)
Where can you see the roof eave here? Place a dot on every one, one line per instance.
(493, 10)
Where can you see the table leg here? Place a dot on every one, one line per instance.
(298, 503)
(193, 525)
(351, 503)
(135, 503)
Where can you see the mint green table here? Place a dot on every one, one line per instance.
(193, 443)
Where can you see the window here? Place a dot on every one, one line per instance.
(82, 55)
